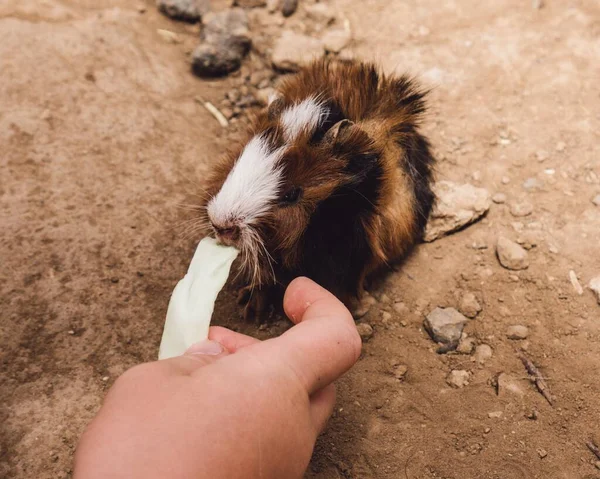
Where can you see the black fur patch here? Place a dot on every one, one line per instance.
(334, 114)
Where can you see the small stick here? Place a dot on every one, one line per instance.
(536, 377)
(593, 447)
(214, 111)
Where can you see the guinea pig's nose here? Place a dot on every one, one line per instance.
(227, 233)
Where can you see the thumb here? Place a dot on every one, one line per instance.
(196, 356)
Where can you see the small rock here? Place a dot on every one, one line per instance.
(364, 306)
(114, 280)
(456, 206)
(288, 7)
(264, 94)
(511, 255)
(505, 180)
(465, 345)
(483, 352)
(508, 385)
(336, 40)
(365, 330)
(533, 415)
(521, 209)
(487, 430)
(458, 378)
(445, 325)
(542, 453)
(71, 332)
(293, 50)
(560, 146)
(385, 316)
(400, 308)
(495, 414)
(596, 200)
(499, 198)
(517, 332)
(532, 184)
(186, 10)
(400, 371)
(541, 155)
(320, 13)
(105, 378)
(225, 42)
(595, 287)
(168, 36)
(249, 3)
(384, 298)
(273, 5)
(575, 282)
(469, 306)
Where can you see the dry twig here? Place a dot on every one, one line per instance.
(593, 447)
(214, 111)
(536, 377)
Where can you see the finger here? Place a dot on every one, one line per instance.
(324, 344)
(230, 339)
(321, 406)
(198, 355)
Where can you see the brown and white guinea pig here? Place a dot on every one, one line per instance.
(333, 183)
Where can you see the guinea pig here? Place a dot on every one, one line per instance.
(332, 183)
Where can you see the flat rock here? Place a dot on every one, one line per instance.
(185, 10)
(517, 332)
(511, 255)
(225, 42)
(469, 306)
(594, 285)
(336, 40)
(483, 352)
(292, 51)
(456, 206)
(458, 378)
(508, 385)
(445, 325)
(365, 330)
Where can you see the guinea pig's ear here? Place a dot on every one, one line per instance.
(275, 106)
(336, 132)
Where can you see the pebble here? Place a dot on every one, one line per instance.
(445, 325)
(495, 414)
(105, 378)
(456, 206)
(594, 285)
(487, 430)
(365, 305)
(575, 282)
(505, 180)
(508, 385)
(365, 330)
(293, 50)
(532, 184)
(469, 306)
(520, 210)
(385, 316)
(483, 352)
(320, 13)
(542, 453)
(289, 7)
(465, 345)
(596, 200)
(400, 308)
(541, 155)
(335, 41)
(511, 255)
(458, 378)
(597, 464)
(400, 371)
(185, 10)
(114, 280)
(225, 42)
(499, 198)
(263, 95)
(560, 146)
(517, 332)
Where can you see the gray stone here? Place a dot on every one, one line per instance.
(225, 42)
(483, 352)
(594, 285)
(511, 255)
(520, 210)
(458, 378)
(517, 332)
(336, 40)
(445, 325)
(365, 330)
(186, 10)
(469, 306)
(292, 51)
(456, 206)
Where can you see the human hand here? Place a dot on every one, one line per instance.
(232, 407)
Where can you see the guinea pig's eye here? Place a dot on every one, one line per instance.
(291, 196)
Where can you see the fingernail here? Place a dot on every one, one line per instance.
(207, 347)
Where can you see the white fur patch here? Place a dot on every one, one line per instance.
(306, 115)
(250, 187)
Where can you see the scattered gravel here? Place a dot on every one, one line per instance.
(458, 378)
(469, 306)
(225, 42)
(456, 206)
(517, 332)
(445, 325)
(293, 50)
(365, 330)
(511, 255)
(185, 10)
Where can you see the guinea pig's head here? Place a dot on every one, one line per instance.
(303, 155)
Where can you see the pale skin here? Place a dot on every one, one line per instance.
(232, 407)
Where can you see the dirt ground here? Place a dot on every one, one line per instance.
(101, 138)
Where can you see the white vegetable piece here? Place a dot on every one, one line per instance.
(193, 299)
